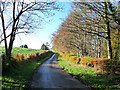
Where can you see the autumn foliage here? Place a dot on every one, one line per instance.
(100, 64)
(91, 35)
(37, 56)
(21, 58)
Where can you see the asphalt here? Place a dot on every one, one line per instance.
(51, 75)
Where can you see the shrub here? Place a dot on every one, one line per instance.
(19, 57)
(65, 55)
(97, 63)
(38, 56)
(82, 61)
(7, 64)
(68, 57)
(112, 66)
(86, 61)
(75, 59)
(37, 53)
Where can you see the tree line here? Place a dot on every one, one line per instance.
(91, 29)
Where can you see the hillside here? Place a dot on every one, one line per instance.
(24, 51)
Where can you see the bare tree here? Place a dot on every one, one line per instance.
(22, 18)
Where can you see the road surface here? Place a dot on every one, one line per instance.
(51, 75)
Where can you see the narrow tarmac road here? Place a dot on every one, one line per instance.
(51, 75)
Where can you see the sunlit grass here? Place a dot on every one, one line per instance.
(88, 75)
(24, 51)
(19, 77)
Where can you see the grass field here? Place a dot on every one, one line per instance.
(24, 51)
(89, 76)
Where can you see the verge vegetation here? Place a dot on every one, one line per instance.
(90, 75)
(89, 37)
(17, 71)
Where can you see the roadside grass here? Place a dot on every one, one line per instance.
(17, 78)
(19, 73)
(88, 75)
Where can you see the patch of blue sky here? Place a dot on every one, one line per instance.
(46, 28)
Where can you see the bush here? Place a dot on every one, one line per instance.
(31, 56)
(100, 64)
(97, 63)
(7, 64)
(112, 66)
(75, 59)
(86, 61)
(19, 57)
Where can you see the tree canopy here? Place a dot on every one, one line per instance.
(91, 29)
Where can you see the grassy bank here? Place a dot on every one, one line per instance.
(17, 71)
(88, 75)
(18, 77)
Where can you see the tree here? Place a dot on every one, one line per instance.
(25, 46)
(87, 30)
(21, 18)
(22, 46)
(44, 47)
(108, 12)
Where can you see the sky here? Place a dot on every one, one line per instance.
(43, 34)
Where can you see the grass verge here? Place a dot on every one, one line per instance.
(89, 75)
(18, 77)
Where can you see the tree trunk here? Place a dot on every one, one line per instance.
(10, 46)
(108, 33)
(12, 38)
(109, 43)
(100, 53)
(108, 49)
(3, 25)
